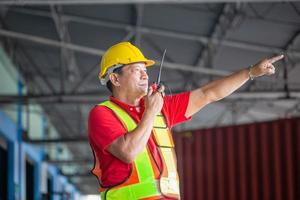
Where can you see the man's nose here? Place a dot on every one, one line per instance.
(144, 75)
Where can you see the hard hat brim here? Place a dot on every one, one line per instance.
(149, 63)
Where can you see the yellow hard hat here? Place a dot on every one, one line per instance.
(120, 54)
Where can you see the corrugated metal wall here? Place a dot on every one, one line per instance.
(248, 162)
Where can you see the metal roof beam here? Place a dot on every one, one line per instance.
(50, 42)
(81, 175)
(139, 10)
(36, 69)
(86, 2)
(54, 98)
(67, 55)
(161, 32)
(98, 52)
(90, 98)
(68, 162)
(226, 20)
(289, 47)
(56, 140)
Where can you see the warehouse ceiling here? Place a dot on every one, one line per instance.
(57, 46)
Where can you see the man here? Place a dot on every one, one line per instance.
(130, 133)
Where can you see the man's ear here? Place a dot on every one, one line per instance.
(114, 79)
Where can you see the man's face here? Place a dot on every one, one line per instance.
(134, 79)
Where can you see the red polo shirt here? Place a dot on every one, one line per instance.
(104, 127)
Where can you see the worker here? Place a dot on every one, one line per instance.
(130, 134)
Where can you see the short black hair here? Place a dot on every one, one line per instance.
(117, 71)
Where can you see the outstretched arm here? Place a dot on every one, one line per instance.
(221, 88)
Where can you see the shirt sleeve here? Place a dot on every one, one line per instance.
(175, 106)
(104, 127)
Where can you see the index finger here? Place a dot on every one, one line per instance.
(161, 88)
(150, 91)
(275, 58)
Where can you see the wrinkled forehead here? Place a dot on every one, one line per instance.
(140, 65)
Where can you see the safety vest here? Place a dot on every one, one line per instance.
(145, 181)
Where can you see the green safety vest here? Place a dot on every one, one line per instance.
(143, 182)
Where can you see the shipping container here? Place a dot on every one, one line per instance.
(258, 161)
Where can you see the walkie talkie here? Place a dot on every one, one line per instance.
(156, 85)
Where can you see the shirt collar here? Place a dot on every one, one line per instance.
(126, 106)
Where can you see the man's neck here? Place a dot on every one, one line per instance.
(134, 101)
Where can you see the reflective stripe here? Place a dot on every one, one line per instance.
(144, 166)
(162, 137)
(169, 182)
(136, 191)
(161, 132)
(159, 121)
(169, 159)
(126, 119)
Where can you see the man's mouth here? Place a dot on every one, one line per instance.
(144, 84)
